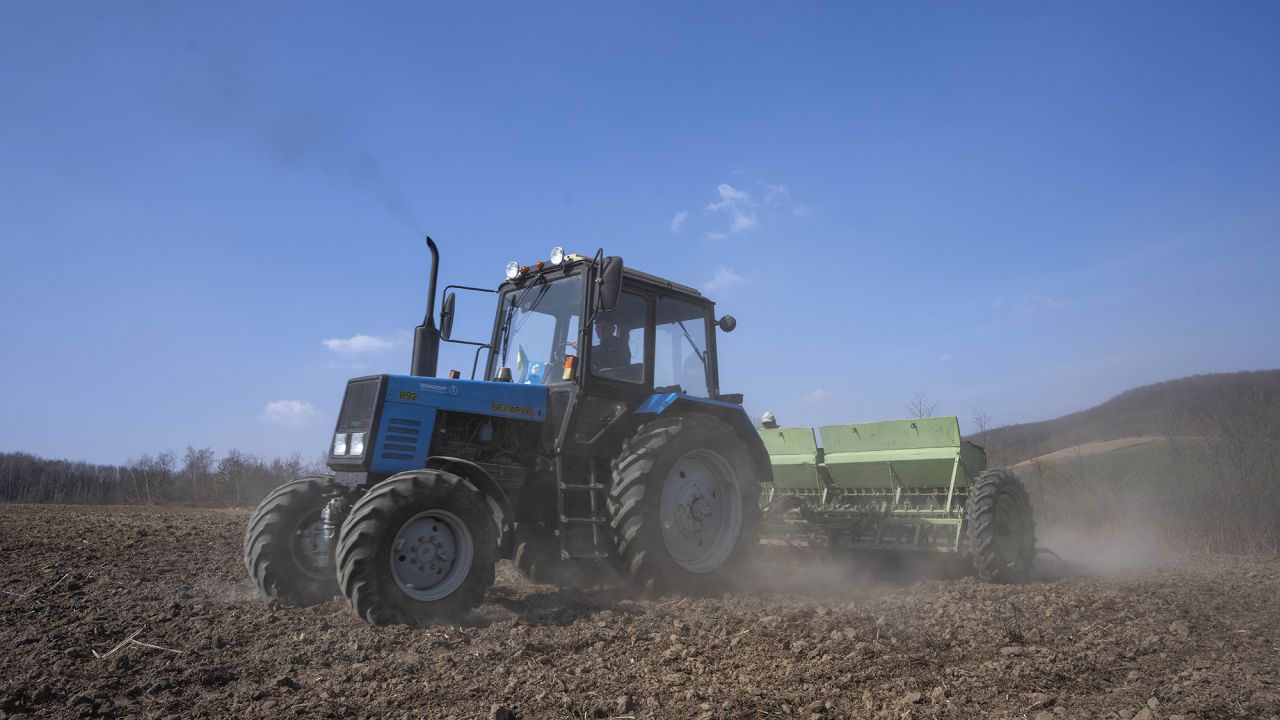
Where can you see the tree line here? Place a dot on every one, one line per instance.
(197, 476)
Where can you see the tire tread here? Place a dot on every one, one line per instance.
(981, 533)
(268, 552)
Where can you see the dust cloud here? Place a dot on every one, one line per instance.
(819, 572)
(1073, 552)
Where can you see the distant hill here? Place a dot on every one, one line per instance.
(1188, 464)
(1186, 407)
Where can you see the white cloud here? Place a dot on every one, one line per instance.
(818, 395)
(737, 205)
(744, 211)
(678, 221)
(716, 236)
(724, 279)
(362, 344)
(729, 196)
(943, 359)
(288, 412)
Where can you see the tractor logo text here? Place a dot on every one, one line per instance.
(512, 409)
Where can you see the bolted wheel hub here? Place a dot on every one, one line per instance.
(431, 555)
(700, 511)
(312, 549)
(695, 510)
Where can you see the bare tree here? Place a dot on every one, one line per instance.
(982, 423)
(922, 405)
(981, 420)
(196, 476)
(197, 469)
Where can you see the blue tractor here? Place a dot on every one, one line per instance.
(598, 445)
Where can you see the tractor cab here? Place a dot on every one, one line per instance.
(604, 340)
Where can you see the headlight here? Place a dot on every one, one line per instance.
(557, 255)
(340, 444)
(357, 443)
(513, 270)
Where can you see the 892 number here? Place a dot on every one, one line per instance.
(408, 395)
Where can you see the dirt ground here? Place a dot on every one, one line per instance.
(1196, 637)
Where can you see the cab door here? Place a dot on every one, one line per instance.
(616, 372)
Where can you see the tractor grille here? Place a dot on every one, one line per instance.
(402, 438)
(359, 404)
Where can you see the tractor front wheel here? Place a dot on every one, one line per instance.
(288, 551)
(418, 548)
(1001, 531)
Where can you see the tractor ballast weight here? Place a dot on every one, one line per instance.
(903, 485)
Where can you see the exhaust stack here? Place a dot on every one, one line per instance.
(426, 337)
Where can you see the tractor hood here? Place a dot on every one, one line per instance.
(386, 421)
(478, 397)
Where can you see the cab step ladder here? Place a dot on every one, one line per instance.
(581, 510)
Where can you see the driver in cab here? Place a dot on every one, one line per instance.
(611, 351)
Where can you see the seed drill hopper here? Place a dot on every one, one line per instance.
(900, 485)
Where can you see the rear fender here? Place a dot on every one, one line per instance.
(732, 414)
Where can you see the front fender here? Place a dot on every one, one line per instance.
(477, 476)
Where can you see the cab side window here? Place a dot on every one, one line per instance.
(617, 340)
(680, 347)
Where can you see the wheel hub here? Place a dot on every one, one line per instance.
(311, 548)
(431, 555)
(694, 510)
(700, 513)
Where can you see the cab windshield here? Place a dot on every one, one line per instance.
(538, 328)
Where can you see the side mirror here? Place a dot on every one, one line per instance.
(446, 316)
(726, 323)
(610, 284)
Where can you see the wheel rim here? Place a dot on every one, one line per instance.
(431, 555)
(1011, 528)
(310, 551)
(700, 511)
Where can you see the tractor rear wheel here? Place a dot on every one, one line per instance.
(418, 548)
(285, 548)
(684, 504)
(1001, 531)
(537, 557)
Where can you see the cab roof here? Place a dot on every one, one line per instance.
(627, 272)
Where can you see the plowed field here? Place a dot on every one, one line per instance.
(1193, 637)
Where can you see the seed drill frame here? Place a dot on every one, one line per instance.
(895, 485)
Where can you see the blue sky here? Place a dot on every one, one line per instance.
(1022, 208)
